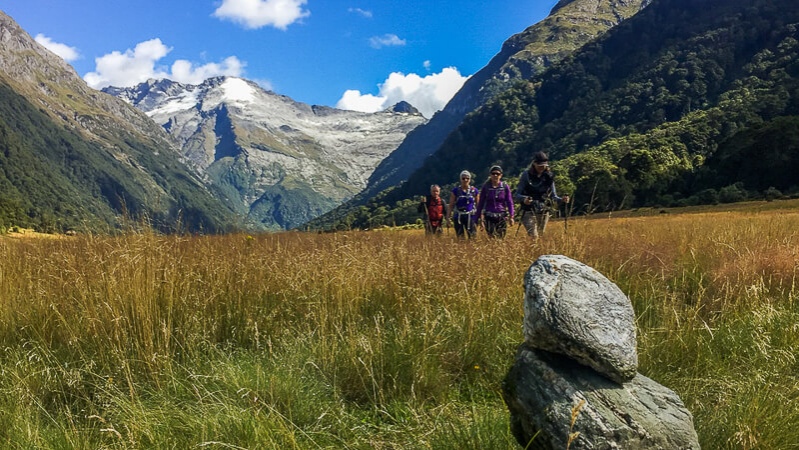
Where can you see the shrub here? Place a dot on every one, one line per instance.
(732, 193)
(772, 193)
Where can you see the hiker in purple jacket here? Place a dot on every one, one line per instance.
(495, 207)
(462, 205)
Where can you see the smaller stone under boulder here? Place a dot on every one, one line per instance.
(543, 390)
(573, 310)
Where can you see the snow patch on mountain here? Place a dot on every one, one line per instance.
(237, 90)
(185, 100)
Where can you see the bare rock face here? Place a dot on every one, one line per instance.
(573, 310)
(557, 403)
(280, 162)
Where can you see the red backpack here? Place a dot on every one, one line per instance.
(435, 210)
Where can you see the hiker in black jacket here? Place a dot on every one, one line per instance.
(536, 193)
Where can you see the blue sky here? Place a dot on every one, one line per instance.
(354, 54)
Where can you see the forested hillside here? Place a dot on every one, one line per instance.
(72, 158)
(54, 179)
(689, 101)
(570, 25)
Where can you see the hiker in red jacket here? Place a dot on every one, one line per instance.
(434, 210)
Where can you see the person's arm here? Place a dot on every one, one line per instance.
(452, 202)
(509, 201)
(521, 195)
(564, 199)
(481, 201)
(553, 193)
(523, 180)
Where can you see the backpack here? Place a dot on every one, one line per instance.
(435, 211)
(464, 202)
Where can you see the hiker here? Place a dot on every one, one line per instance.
(536, 193)
(495, 208)
(434, 210)
(462, 203)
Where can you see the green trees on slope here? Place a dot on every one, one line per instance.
(54, 179)
(638, 116)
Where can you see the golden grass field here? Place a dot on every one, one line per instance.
(384, 339)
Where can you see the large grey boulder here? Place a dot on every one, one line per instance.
(544, 391)
(573, 310)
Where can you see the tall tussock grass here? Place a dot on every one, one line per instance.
(377, 339)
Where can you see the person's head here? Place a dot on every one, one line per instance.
(495, 174)
(435, 190)
(540, 162)
(466, 177)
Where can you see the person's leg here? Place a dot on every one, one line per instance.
(501, 228)
(472, 226)
(529, 220)
(542, 221)
(490, 226)
(458, 222)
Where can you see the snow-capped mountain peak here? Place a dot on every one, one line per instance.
(270, 152)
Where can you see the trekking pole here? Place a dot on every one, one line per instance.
(447, 218)
(428, 227)
(567, 210)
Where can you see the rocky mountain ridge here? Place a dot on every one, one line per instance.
(75, 157)
(48, 80)
(280, 162)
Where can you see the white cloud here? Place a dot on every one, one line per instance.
(386, 40)
(362, 12)
(138, 65)
(184, 71)
(426, 65)
(260, 13)
(66, 52)
(428, 94)
(264, 83)
(353, 100)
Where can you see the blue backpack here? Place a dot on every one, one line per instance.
(464, 203)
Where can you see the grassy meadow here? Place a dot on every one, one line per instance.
(379, 340)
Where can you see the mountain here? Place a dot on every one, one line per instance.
(570, 25)
(279, 162)
(73, 157)
(688, 101)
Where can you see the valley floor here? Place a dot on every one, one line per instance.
(379, 339)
